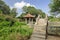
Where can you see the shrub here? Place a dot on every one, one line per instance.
(11, 29)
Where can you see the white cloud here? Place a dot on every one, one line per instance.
(28, 4)
(21, 4)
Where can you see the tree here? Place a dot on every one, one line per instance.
(50, 17)
(33, 11)
(4, 8)
(55, 7)
(13, 12)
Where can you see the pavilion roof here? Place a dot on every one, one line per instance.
(29, 15)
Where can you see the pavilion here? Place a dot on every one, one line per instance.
(29, 18)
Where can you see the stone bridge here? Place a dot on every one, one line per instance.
(41, 29)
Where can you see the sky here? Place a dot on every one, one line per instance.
(19, 4)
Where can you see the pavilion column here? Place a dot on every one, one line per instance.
(32, 21)
(29, 20)
(26, 20)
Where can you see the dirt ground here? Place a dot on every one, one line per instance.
(53, 37)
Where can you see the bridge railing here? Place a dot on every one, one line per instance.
(54, 28)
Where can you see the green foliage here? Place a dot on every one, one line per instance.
(54, 19)
(50, 17)
(11, 29)
(55, 7)
(4, 8)
(13, 12)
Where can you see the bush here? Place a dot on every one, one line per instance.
(54, 20)
(11, 29)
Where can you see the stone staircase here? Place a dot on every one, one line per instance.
(37, 34)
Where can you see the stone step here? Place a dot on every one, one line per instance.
(37, 32)
(39, 36)
(39, 27)
(33, 38)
